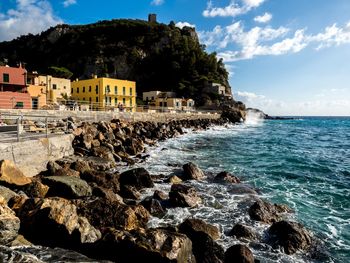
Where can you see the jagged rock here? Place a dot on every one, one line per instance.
(66, 171)
(20, 241)
(241, 231)
(6, 193)
(67, 186)
(103, 152)
(153, 206)
(239, 254)
(241, 189)
(35, 189)
(174, 180)
(291, 236)
(100, 164)
(183, 196)
(103, 179)
(225, 177)
(52, 167)
(159, 195)
(155, 245)
(205, 248)
(233, 114)
(80, 166)
(138, 177)
(106, 193)
(129, 192)
(266, 212)
(198, 225)
(9, 223)
(102, 213)
(54, 222)
(192, 172)
(11, 175)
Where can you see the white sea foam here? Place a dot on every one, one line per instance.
(254, 118)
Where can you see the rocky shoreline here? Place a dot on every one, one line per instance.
(82, 204)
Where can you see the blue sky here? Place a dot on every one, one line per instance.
(286, 57)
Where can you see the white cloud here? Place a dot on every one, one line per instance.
(262, 41)
(264, 18)
(232, 10)
(157, 2)
(183, 24)
(249, 96)
(67, 3)
(29, 16)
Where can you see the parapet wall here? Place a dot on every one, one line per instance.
(106, 116)
(31, 157)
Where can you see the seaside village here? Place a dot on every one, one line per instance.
(20, 89)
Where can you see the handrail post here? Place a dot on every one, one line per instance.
(47, 128)
(18, 127)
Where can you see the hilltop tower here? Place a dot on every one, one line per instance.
(152, 18)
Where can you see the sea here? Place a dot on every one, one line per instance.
(303, 163)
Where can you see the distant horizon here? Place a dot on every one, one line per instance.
(286, 58)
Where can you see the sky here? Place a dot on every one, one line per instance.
(285, 57)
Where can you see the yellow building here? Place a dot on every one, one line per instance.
(36, 91)
(57, 88)
(105, 93)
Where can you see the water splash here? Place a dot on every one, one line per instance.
(254, 118)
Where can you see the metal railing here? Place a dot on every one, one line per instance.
(16, 128)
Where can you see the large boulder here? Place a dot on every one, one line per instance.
(225, 177)
(67, 186)
(154, 245)
(11, 175)
(268, 213)
(239, 254)
(102, 179)
(103, 213)
(205, 249)
(192, 172)
(198, 225)
(242, 231)
(55, 222)
(183, 196)
(291, 236)
(35, 189)
(9, 223)
(233, 114)
(138, 177)
(6, 193)
(153, 206)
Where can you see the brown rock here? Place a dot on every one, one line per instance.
(174, 180)
(35, 189)
(239, 254)
(159, 195)
(192, 172)
(241, 231)
(11, 175)
(265, 212)
(6, 193)
(102, 179)
(225, 177)
(138, 177)
(9, 223)
(199, 225)
(184, 196)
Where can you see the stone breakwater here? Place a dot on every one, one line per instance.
(80, 203)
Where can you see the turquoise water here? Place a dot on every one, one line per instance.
(304, 163)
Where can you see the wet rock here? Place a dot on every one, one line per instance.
(205, 248)
(159, 195)
(138, 177)
(10, 175)
(35, 189)
(9, 223)
(20, 241)
(102, 179)
(103, 212)
(241, 231)
(66, 171)
(225, 177)
(153, 206)
(174, 180)
(183, 196)
(106, 193)
(154, 245)
(129, 192)
(192, 172)
(6, 193)
(67, 186)
(291, 236)
(103, 152)
(52, 167)
(54, 222)
(266, 212)
(239, 254)
(100, 164)
(241, 189)
(80, 166)
(233, 114)
(198, 225)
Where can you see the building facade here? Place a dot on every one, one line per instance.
(105, 93)
(36, 91)
(56, 88)
(13, 88)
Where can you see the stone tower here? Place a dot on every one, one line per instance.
(152, 18)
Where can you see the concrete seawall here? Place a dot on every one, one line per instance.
(31, 157)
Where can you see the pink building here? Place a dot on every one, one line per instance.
(13, 88)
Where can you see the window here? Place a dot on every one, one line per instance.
(83, 89)
(165, 104)
(54, 86)
(161, 104)
(6, 77)
(124, 101)
(77, 90)
(71, 90)
(96, 99)
(115, 90)
(152, 98)
(64, 87)
(123, 91)
(89, 88)
(96, 89)
(130, 102)
(177, 104)
(83, 99)
(115, 101)
(146, 98)
(108, 90)
(130, 91)
(90, 99)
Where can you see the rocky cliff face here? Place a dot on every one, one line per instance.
(155, 55)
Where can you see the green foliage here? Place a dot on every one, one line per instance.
(156, 56)
(60, 72)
